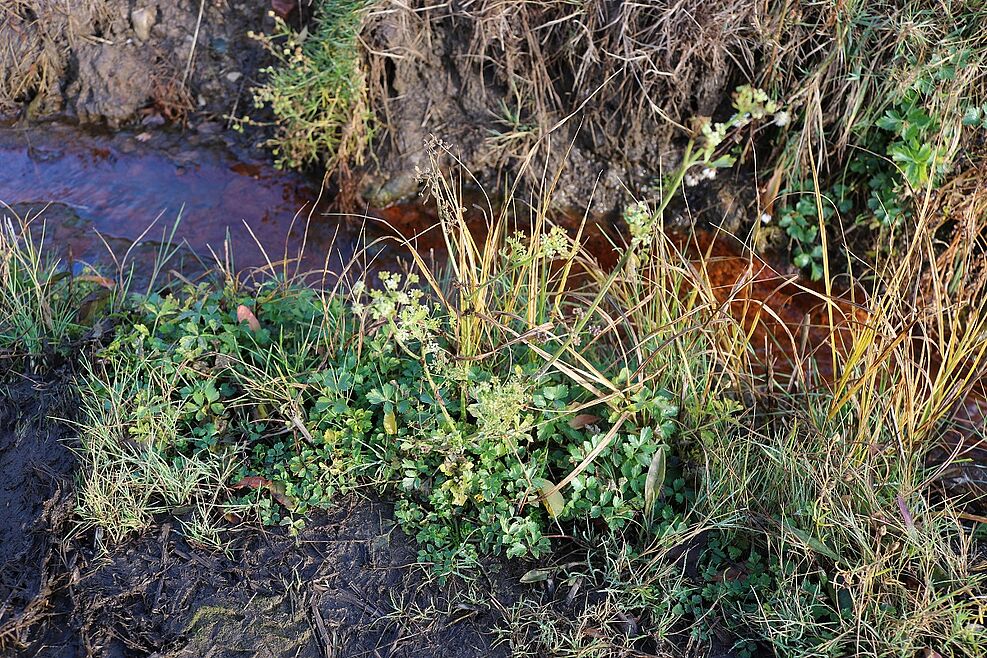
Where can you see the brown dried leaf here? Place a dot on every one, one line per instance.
(276, 489)
(109, 284)
(582, 420)
(283, 8)
(244, 314)
(252, 482)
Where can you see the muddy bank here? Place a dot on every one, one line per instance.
(346, 587)
(585, 91)
(114, 61)
(591, 104)
(37, 502)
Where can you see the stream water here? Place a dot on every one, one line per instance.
(92, 191)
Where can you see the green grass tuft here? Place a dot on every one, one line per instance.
(317, 89)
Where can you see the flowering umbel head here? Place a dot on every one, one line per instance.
(642, 223)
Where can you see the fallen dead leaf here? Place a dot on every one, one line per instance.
(553, 500)
(582, 420)
(109, 284)
(244, 314)
(283, 8)
(275, 488)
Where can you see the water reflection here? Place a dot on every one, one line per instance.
(83, 185)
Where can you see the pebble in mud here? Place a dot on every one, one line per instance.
(143, 20)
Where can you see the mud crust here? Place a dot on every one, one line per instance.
(346, 587)
(111, 61)
(36, 493)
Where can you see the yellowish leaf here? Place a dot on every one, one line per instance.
(390, 423)
(553, 499)
(98, 280)
(655, 480)
(536, 576)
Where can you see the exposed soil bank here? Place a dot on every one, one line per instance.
(111, 61)
(584, 90)
(589, 99)
(37, 503)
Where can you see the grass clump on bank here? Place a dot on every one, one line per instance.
(317, 89)
(43, 307)
(452, 411)
(885, 98)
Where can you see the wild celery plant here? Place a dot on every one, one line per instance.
(317, 89)
(468, 398)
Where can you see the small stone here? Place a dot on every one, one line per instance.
(143, 20)
(233, 76)
(219, 45)
(209, 128)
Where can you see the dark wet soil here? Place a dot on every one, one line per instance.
(115, 62)
(36, 500)
(348, 585)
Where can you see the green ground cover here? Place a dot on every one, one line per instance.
(522, 401)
